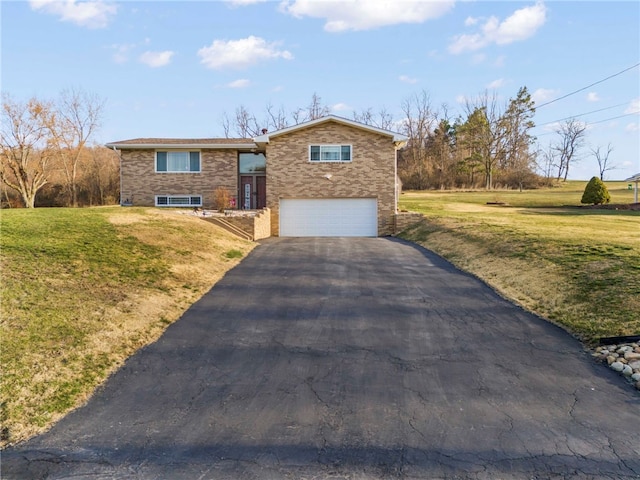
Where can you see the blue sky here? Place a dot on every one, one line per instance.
(173, 69)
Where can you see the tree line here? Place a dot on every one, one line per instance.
(490, 145)
(46, 155)
(47, 158)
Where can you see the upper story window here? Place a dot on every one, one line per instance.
(177, 161)
(329, 153)
(252, 163)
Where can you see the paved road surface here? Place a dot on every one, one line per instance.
(349, 358)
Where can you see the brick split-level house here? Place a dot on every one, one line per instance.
(327, 177)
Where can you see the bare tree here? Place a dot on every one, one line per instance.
(419, 122)
(276, 119)
(314, 110)
(101, 180)
(78, 116)
(246, 124)
(440, 148)
(486, 132)
(572, 133)
(24, 160)
(364, 116)
(226, 125)
(545, 161)
(602, 158)
(383, 119)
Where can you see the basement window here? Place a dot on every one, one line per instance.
(329, 153)
(178, 200)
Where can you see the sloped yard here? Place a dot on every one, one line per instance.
(83, 289)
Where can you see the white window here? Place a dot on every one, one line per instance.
(178, 162)
(178, 200)
(329, 153)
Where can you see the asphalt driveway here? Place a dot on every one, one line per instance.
(349, 358)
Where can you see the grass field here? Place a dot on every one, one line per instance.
(82, 289)
(576, 266)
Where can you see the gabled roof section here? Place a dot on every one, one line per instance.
(634, 178)
(397, 138)
(213, 143)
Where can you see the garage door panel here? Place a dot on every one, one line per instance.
(329, 217)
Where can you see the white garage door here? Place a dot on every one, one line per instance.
(329, 217)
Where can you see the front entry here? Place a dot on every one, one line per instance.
(252, 168)
(253, 192)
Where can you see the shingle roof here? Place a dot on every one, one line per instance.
(397, 137)
(634, 178)
(183, 141)
(214, 143)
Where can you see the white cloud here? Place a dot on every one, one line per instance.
(632, 127)
(593, 97)
(634, 106)
(240, 83)
(124, 51)
(464, 43)
(470, 21)
(340, 107)
(542, 95)
(90, 14)
(407, 79)
(366, 14)
(156, 59)
(240, 53)
(522, 24)
(461, 99)
(496, 83)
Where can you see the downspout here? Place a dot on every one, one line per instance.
(120, 172)
(395, 180)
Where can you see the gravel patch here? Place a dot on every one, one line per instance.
(623, 358)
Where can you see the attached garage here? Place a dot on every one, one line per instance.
(329, 217)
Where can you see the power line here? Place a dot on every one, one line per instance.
(580, 115)
(614, 118)
(588, 86)
(593, 123)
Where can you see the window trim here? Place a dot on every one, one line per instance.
(167, 151)
(191, 197)
(340, 146)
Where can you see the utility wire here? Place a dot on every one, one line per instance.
(580, 115)
(588, 86)
(614, 118)
(593, 123)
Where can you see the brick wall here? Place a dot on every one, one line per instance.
(258, 225)
(140, 182)
(371, 173)
(406, 219)
(262, 224)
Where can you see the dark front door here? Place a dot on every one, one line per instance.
(253, 192)
(261, 192)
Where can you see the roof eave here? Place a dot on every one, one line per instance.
(398, 139)
(210, 146)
